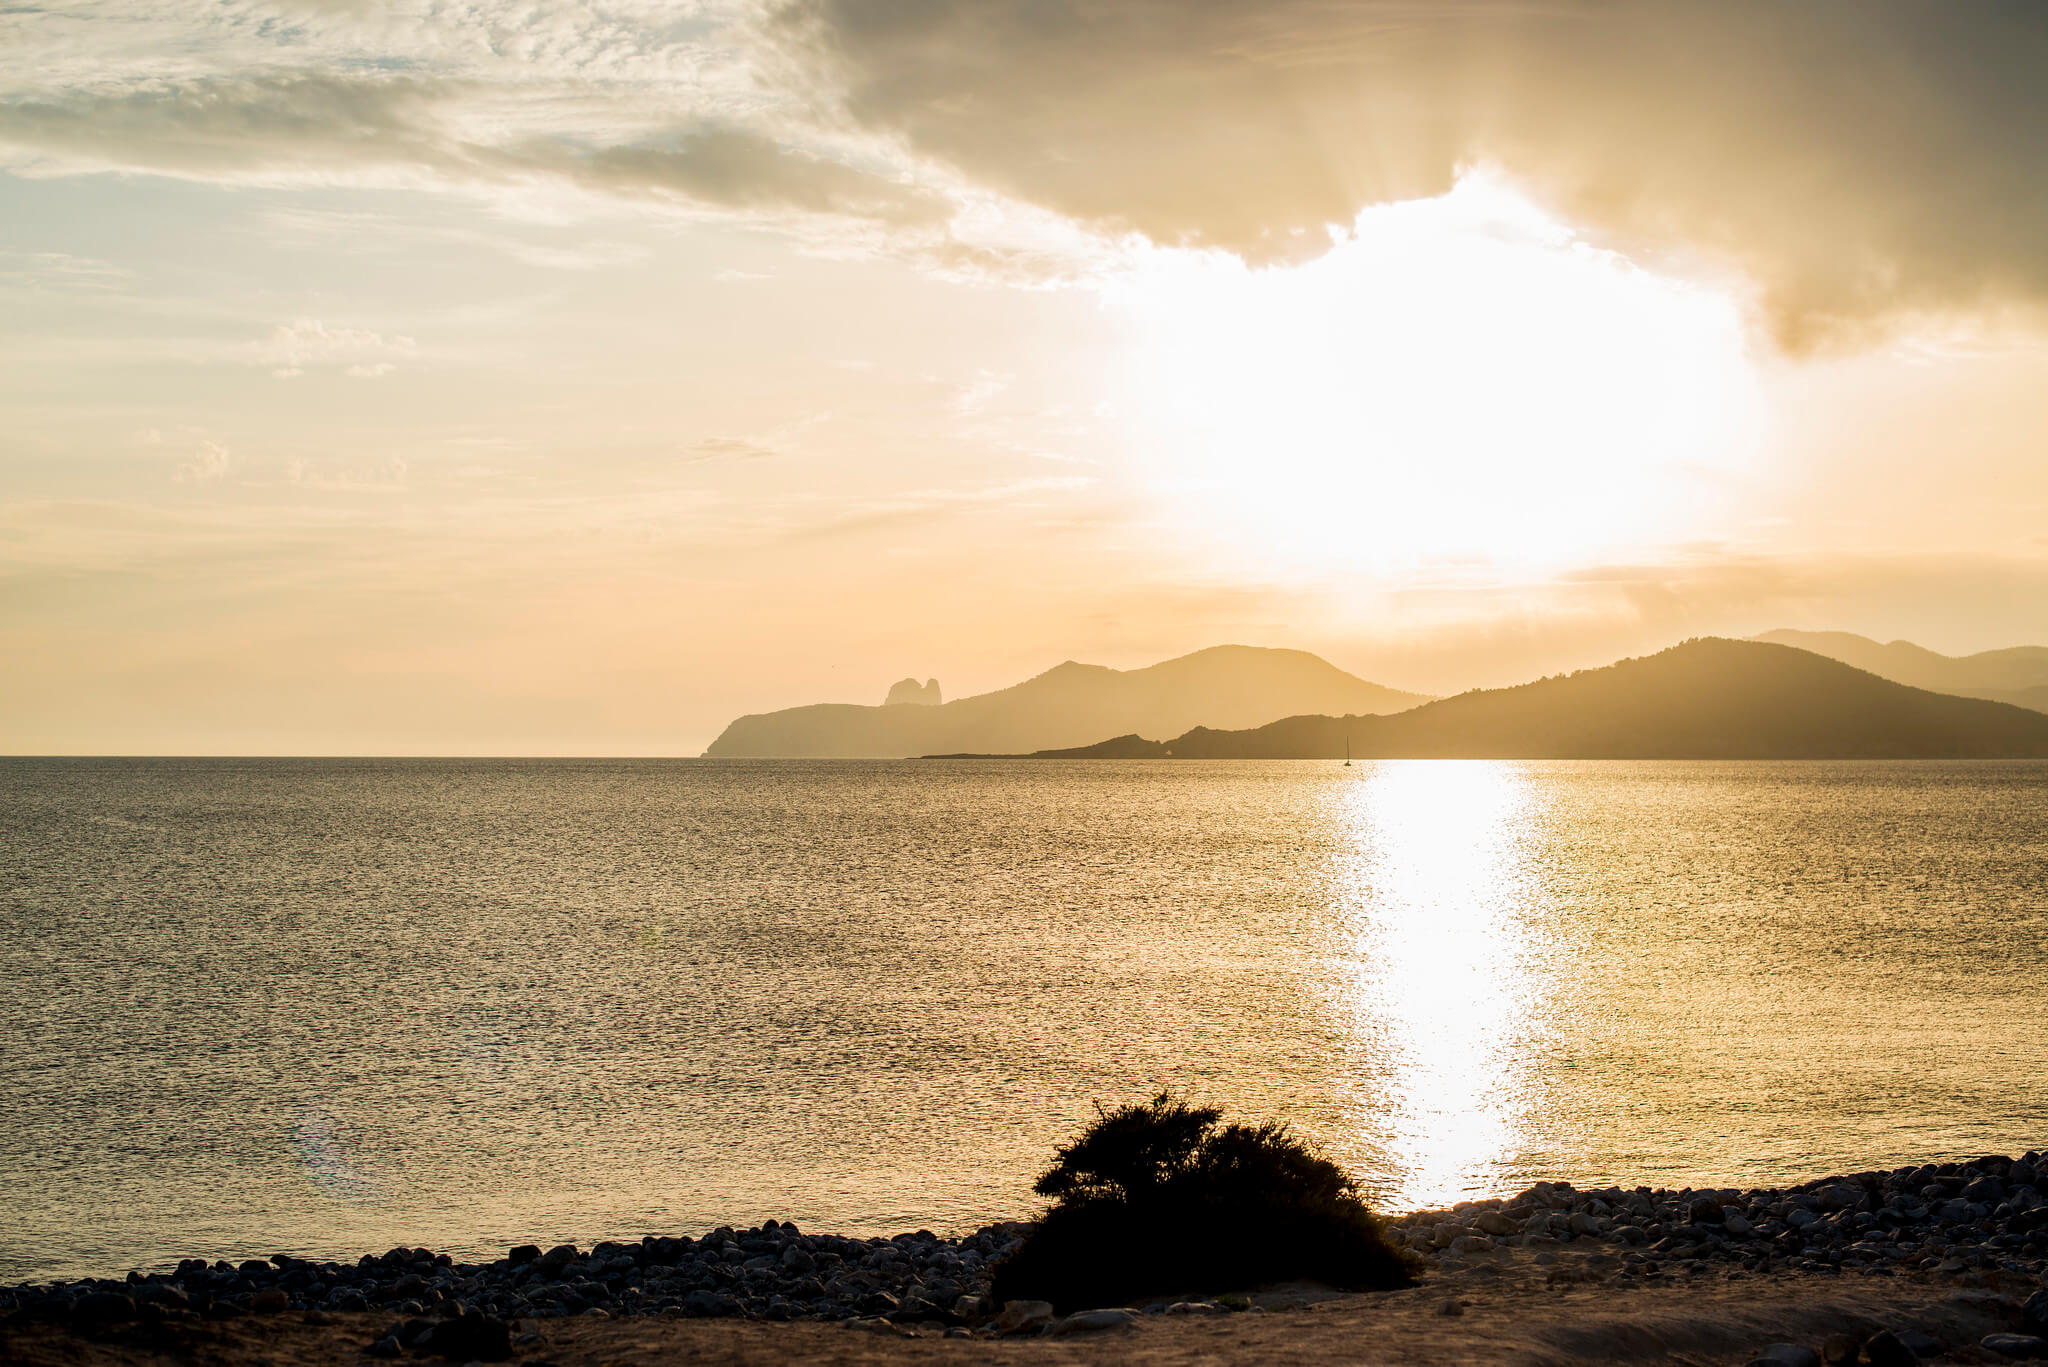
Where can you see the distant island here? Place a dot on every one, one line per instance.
(1073, 704)
(2018, 675)
(1705, 699)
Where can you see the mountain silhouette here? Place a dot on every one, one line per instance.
(1228, 686)
(1705, 699)
(2018, 675)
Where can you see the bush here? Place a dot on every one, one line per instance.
(1158, 1198)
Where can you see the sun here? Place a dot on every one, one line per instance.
(1458, 379)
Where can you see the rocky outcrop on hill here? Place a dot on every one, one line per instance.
(911, 693)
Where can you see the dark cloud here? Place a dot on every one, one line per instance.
(733, 168)
(241, 124)
(1857, 157)
(315, 124)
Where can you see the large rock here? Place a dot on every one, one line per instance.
(1024, 1317)
(710, 1305)
(911, 693)
(1092, 1321)
(1841, 1196)
(916, 1306)
(1496, 1224)
(103, 1307)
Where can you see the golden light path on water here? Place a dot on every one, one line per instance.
(1440, 983)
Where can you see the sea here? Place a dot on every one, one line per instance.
(328, 1007)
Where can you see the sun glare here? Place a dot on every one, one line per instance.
(1459, 379)
(1439, 990)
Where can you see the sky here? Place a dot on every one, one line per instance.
(466, 377)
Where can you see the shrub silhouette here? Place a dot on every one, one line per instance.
(1159, 1198)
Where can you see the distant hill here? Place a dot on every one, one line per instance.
(1705, 699)
(2018, 675)
(1073, 704)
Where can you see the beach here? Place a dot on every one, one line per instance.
(1930, 1261)
(1519, 1317)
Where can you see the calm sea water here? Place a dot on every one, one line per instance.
(324, 1007)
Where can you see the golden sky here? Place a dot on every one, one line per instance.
(553, 377)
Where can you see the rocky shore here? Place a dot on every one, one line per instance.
(1950, 1217)
(1984, 1222)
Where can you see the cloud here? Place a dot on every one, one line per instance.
(733, 168)
(384, 233)
(368, 475)
(380, 129)
(974, 396)
(55, 272)
(1857, 158)
(729, 448)
(299, 124)
(208, 462)
(926, 505)
(294, 347)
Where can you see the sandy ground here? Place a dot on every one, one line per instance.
(1514, 1311)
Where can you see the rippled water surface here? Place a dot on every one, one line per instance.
(324, 1007)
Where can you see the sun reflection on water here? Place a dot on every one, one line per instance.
(1437, 973)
